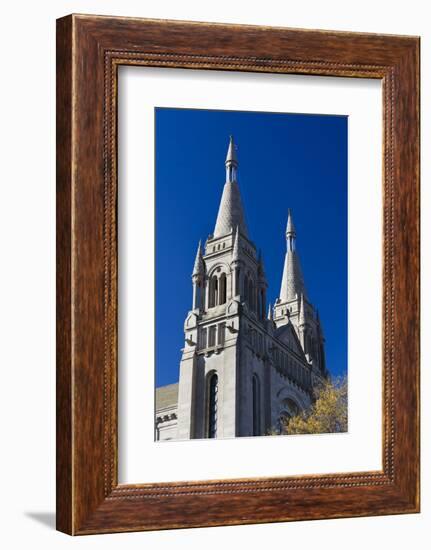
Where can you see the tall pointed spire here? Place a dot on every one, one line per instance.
(231, 213)
(198, 268)
(292, 283)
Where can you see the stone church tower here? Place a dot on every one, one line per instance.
(242, 370)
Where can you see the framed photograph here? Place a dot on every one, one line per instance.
(237, 274)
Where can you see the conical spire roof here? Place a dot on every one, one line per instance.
(198, 268)
(292, 282)
(231, 212)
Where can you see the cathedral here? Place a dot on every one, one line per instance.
(244, 369)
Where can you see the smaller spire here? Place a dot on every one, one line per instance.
(270, 313)
(235, 250)
(198, 268)
(292, 283)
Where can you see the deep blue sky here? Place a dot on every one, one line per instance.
(285, 161)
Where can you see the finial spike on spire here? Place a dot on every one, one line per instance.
(231, 157)
(290, 228)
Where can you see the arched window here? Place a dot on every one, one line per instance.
(256, 405)
(290, 406)
(222, 289)
(212, 406)
(213, 291)
(216, 290)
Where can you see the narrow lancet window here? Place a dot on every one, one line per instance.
(213, 292)
(222, 290)
(212, 406)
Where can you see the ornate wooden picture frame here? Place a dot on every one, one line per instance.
(89, 51)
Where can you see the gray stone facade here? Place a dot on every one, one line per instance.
(242, 369)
